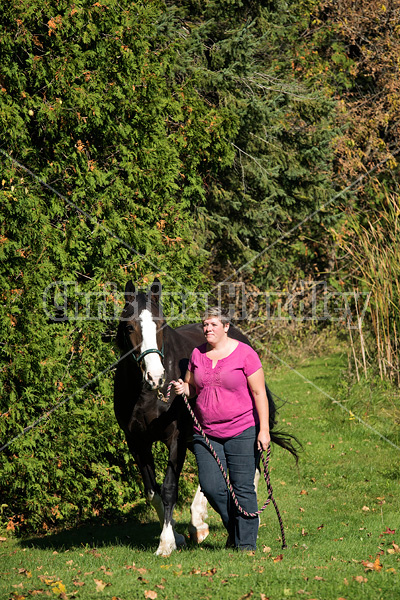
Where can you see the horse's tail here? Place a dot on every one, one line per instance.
(285, 440)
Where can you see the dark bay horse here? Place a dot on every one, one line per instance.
(154, 354)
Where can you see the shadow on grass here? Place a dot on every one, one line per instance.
(138, 529)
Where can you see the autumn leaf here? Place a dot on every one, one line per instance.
(209, 572)
(387, 532)
(58, 588)
(278, 558)
(360, 579)
(100, 585)
(249, 595)
(372, 566)
(394, 550)
(150, 594)
(25, 572)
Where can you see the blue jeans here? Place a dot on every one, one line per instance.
(239, 457)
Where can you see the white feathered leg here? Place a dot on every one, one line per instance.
(198, 529)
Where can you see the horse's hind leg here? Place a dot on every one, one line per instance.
(198, 528)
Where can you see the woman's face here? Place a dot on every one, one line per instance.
(214, 330)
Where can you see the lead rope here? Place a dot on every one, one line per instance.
(265, 460)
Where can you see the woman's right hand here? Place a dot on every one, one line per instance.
(179, 387)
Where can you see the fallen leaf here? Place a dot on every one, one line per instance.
(372, 566)
(320, 527)
(100, 585)
(278, 558)
(78, 583)
(263, 597)
(266, 549)
(150, 594)
(303, 493)
(25, 572)
(209, 572)
(360, 579)
(58, 588)
(318, 578)
(365, 508)
(387, 532)
(249, 595)
(3, 539)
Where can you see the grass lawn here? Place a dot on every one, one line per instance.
(341, 511)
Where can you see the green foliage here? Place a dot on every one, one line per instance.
(92, 106)
(242, 57)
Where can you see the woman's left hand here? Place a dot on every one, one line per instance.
(263, 440)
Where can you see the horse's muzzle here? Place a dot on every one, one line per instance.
(155, 382)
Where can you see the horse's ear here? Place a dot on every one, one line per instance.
(130, 292)
(155, 291)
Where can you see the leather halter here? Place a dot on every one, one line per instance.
(149, 351)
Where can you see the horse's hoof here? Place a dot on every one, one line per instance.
(164, 550)
(180, 540)
(198, 534)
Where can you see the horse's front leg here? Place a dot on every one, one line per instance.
(170, 540)
(145, 461)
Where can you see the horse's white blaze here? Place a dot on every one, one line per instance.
(198, 529)
(154, 367)
(169, 540)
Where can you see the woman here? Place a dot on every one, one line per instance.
(232, 409)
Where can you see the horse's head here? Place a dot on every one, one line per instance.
(141, 331)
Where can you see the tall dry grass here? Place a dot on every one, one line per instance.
(374, 248)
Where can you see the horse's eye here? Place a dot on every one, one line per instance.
(130, 328)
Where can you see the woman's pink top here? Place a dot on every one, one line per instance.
(225, 406)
